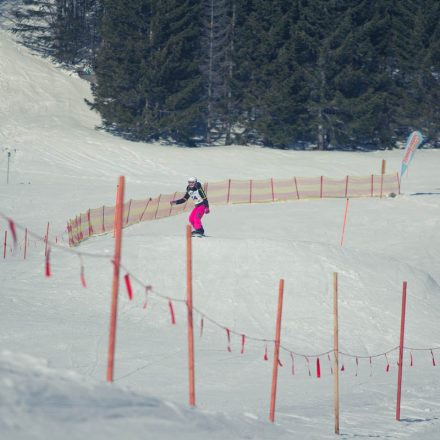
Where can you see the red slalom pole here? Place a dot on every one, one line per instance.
(276, 352)
(116, 266)
(189, 303)
(345, 221)
(402, 334)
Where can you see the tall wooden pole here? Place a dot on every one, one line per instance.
(402, 335)
(192, 392)
(276, 352)
(336, 351)
(116, 267)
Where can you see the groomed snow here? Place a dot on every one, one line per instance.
(54, 332)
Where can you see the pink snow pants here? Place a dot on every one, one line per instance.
(196, 216)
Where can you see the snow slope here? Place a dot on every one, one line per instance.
(54, 332)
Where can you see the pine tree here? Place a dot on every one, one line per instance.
(171, 79)
(76, 31)
(215, 66)
(34, 22)
(282, 107)
(119, 95)
(259, 31)
(315, 38)
(67, 30)
(280, 73)
(422, 93)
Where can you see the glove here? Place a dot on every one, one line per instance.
(206, 210)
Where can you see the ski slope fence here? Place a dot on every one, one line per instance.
(101, 220)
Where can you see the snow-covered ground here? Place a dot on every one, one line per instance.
(54, 332)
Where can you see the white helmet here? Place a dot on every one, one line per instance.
(192, 179)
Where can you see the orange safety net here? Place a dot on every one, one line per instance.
(101, 220)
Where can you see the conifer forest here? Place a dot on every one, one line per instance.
(331, 74)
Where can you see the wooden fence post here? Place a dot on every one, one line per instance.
(250, 191)
(192, 393)
(276, 352)
(116, 268)
(81, 235)
(171, 206)
(402, 335)
(384, 164)
(90, 223)
(128, 213)
(345, 221)
(336, 351)
(143, 212)
(25, 242)
(158, 204)
(46, 239)
(296, 187)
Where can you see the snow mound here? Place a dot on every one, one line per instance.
(37, 400)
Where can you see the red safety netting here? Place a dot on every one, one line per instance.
(101, 220)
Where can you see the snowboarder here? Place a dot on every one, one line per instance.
(196, 192)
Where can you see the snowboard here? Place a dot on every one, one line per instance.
(198, 235)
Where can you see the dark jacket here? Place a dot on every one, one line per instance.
(196, 193)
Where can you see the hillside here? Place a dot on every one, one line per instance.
(54, 332)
